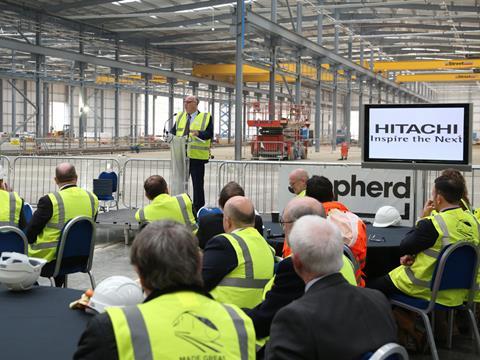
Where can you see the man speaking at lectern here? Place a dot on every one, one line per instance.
(198, 126)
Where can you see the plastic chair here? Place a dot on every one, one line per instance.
(456, 269)
(349, 254)
(389, 351)
(77, 241)
(102, 188)
(12, 239)
(205, 210)
(27, 212)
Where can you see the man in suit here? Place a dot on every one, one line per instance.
(211, 225)
(198, 127)
(287, 286)
(54, 210)
(333, 320)
(238, 263)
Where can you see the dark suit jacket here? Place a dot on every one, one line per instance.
(287, 286)
(333, 320)
(212, 224)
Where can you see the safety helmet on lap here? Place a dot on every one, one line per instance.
(115, 291)
(387, 216)
(19, 272)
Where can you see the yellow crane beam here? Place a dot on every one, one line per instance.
(226, 72)
(439, 77)
(453, 64)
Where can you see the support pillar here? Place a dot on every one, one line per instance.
(14, 105)
(240, 28)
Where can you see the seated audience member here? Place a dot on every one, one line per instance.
(421, 246)
(457, 176)
(297, 182)
(286, 285)
(163, 206)
(11, 206)
(212, 224)
(321, 189)
(238, 263)
(333, 320)
(53, 212)
(176, 320)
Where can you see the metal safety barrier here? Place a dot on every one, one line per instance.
(5, 165)
(33, 177)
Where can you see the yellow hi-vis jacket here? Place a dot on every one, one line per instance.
(10, 208)
(243, 286)
(452, 226)
(182, 325)
(196, 148)
(66, 204)
(165, 207)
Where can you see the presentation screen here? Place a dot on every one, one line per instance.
(428, 136)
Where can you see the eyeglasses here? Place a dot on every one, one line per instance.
(283, 222)
(189, 101)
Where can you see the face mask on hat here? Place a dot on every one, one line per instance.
(291, 189)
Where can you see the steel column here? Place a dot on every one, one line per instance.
(14, 105)
(147, 84)
(298, 67)
(25, 105)
(240, 28)
(1, 105)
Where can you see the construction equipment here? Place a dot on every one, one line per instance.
(279, 136)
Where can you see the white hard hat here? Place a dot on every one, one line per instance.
(18, 271)
(387, 216)
(115, 291)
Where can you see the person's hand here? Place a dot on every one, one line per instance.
(428, 208)
(407, 260)
(194, 133)
(4, 186)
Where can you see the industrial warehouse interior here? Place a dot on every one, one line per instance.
(191, 179)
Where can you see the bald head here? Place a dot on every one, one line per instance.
(65, 174)
(297, 180)
(298, 207)
(239, 210)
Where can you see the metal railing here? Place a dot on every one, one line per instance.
(33, 177)
(5, 164)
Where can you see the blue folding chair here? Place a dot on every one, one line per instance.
(105, 187)
(27, 212)
(12, 239)
(456, 269)
(390, 351)
(75, 249)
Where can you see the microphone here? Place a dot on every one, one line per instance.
(165, 131)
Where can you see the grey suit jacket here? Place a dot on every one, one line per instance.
(333, 320)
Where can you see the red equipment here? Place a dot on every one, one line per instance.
(278, 136)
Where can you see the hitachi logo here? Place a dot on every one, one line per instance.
(416, 129)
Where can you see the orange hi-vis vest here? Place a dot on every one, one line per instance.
(358, 245)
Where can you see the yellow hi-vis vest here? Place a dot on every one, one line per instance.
(196, 149)
(165, 207)
(66, 204)
(302, 193)
(182, 325)
(10, 208)
(243, 286)
(452, 226)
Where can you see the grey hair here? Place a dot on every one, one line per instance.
(166, 255)
(318, 243)
(301, 210)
